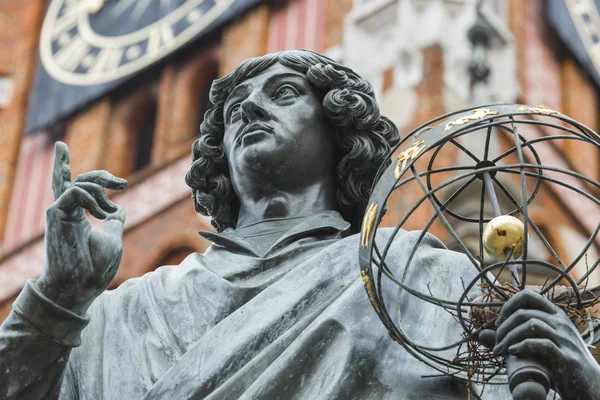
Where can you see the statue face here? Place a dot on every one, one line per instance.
(275, 129)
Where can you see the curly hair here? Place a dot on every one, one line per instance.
(363, 136)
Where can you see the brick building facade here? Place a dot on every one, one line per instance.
(143, 130)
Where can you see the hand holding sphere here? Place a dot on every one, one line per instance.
(535, 345)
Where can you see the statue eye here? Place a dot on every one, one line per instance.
(234, 109)
(285, 91)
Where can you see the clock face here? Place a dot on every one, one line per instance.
(90, 42)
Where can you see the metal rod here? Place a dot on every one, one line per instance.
(489, 187)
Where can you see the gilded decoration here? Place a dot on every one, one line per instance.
(409, 154)
(540, 110)
(368, 223)
(370, 289)
(478, 114)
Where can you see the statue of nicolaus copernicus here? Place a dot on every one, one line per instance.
(275, 308)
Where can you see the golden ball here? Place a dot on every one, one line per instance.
(502, 234)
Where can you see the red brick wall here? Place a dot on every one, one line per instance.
(336, 12)
(86, 136)
(580, 101)
(189, 89)
(245, 38)
(20, 22)
(122, 137)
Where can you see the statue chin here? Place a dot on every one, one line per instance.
(262, 154)
(256, 157)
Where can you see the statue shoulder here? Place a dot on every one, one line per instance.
(166, 276)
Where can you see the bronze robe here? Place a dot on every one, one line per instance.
(292, 323)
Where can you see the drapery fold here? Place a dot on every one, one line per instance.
(295, 323)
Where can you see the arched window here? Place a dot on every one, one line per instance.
(145, 137)
(188, 101)
(132, 132)
(202, 93)
(174, 256)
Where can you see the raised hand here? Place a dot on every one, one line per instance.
(80, 262)
(531, 327)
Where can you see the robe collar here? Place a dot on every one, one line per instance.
(323, 222)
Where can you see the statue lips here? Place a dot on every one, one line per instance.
(253, 129)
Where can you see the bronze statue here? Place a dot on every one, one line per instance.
(275, 308)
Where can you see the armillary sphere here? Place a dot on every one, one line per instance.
(483, 177)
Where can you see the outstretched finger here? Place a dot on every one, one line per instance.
(77, 197)
(104, 179)
(61, 172)
(114, 222)
(99, 195)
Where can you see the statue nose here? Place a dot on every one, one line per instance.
(252, 111)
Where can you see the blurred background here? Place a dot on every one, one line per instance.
(125, 84)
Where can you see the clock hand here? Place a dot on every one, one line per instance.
(165, 3)
(121, 7)
(139, 9)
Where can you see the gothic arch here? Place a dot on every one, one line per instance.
(132, 132)
(186, 87)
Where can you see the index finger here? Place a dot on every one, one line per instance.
(61, 172)
(104, 179)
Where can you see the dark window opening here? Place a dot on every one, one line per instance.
(201, 109)
(203, 102)
(57, 131)
(175, 256)
(145, 139)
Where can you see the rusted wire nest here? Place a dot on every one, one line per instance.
(516, 146)
(561, 296)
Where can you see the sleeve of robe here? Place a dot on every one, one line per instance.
(36, 340)
(132, 335)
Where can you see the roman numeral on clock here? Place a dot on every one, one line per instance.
(65, 22)
(79, 45)
(70, 56)
(107, 59)
(159, 37)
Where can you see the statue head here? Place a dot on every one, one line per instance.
(334, 121)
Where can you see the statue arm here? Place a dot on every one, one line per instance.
(80, 262)
(35, 343)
